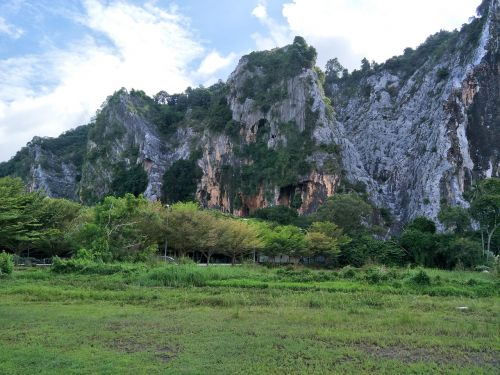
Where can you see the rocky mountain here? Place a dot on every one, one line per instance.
(419, 129)
(414, 132)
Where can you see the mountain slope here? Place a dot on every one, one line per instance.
(415, 132)
(425, 125)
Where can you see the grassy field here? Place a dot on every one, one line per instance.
(138, 319)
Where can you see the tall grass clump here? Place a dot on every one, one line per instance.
(85, 266)
(6, 263)
(194, 275)
(421, 278)
(174, 276)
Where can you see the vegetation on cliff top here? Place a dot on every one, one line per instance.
(431, 50)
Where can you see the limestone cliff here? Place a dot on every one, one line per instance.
(415, 132)
(419, 129)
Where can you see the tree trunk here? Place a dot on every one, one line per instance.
(208, 258)
(233, 259)
(490, 235)
(482, 240)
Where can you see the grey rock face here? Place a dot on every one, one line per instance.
(130, 138)
(52, 175)
(416, 141)
(303, 93)
(408, 140)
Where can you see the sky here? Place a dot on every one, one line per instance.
(60, 59)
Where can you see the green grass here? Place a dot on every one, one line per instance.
(248, 320)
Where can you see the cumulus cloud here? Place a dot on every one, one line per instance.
(277, 34)
(147, 48)
(11, 30)
(375, 29)
(214, 62)
(351, 30)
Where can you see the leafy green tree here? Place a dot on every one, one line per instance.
(280, 214)
(456, 219)
(365, 65)
(422, 224)
(180, 181)
(238, 238)
(181, 227)
(325, 238)
(132, 180)
(284, 240)
(485, 209)
(420, 246)
(333, 70)
(364, 249)
(348, 210)
(121, 228)
(20, 226)
(56, 217)
(453, 251)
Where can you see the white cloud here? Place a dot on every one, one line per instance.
(11, 30)
(214, 62)
(150, 49)
(260, 11)
(351, 30)
(277, 34)
(373, 28)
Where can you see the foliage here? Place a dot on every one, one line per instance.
(420, 246)
(333, 71)
(238, 238)
(349, 211)
(422, 224)
(430, 249)
(485, 209)
(133, 180)
(85, 266)
(456, 219)
(19, 215)
(56, 217)
(454, 251)
(190, 230)
(180, 181)
(325, 239)
(273, 67)
(284, 239)
(6, 263)
(69, 147)
(442, 73)
(207, 105)
(283, 215)
(121, 228)
(266, 168)
(366, 249)
(421, 278)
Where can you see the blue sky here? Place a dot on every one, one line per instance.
(60, 59)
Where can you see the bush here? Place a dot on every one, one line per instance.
(180, 181)
(421, 278)
(6, 263)
(280, 214)
(85, 266)
(175, 276)
(348, 272)
(375, 275)
(366, 249)
(442, 73)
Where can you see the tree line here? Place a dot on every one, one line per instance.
(346, 230)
